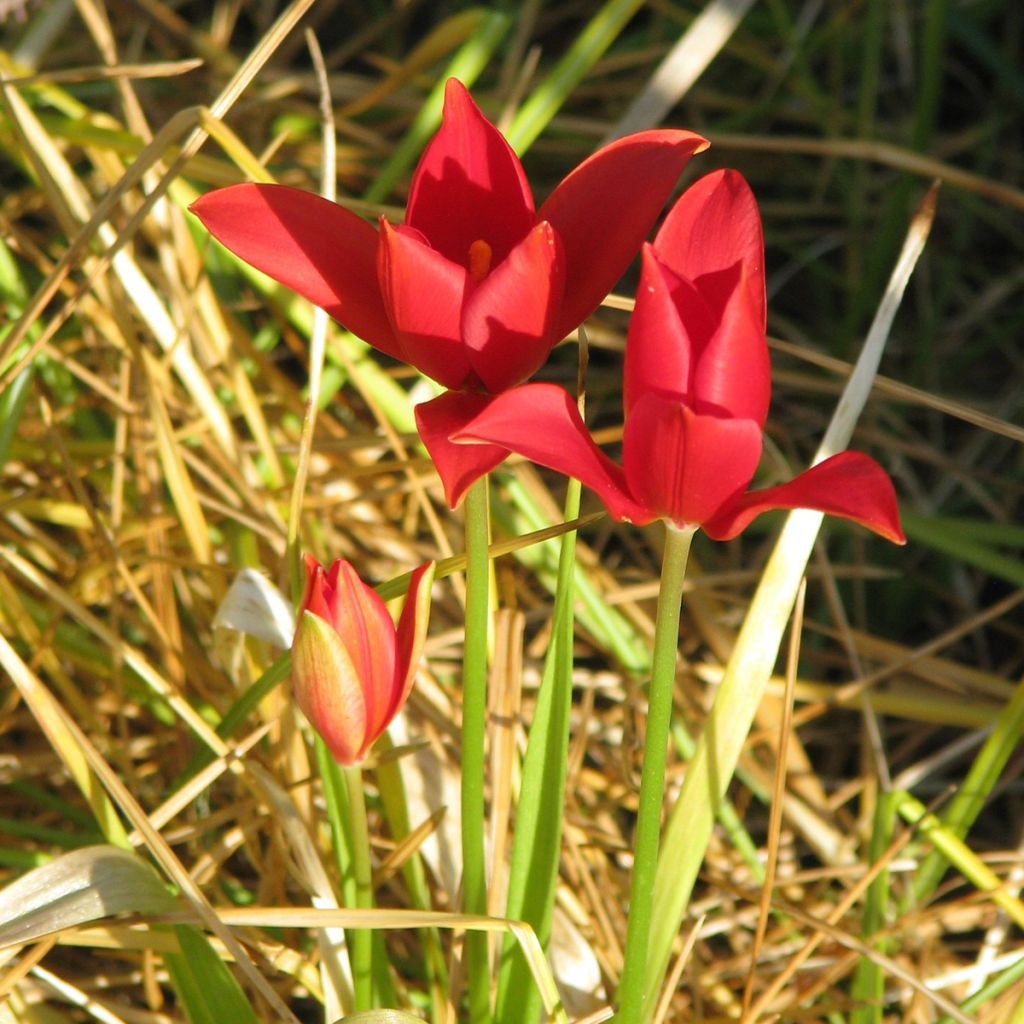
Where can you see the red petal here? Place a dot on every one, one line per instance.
(424, 293)
(669, 323)
(714, 226)
(733, 371)
(328, 688)
(313, 599)
(412, 634)
(507, 321)
(712, 237)
(469, 184)
(685, 466)
(849, 485)
(362, 621)
(458, 465)
(315, 247)
(541, 422)
(604, 209)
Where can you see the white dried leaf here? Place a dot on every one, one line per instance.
(76, 888)
(253, 605)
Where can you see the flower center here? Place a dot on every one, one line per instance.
(479, 260)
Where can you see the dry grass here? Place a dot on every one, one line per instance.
(153, 399)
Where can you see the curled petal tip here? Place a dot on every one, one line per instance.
(892, 531)
(849, 485)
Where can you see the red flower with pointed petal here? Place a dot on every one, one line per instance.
(476, 287)
(697, 387)
(352, 670)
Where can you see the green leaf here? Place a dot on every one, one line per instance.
(970, 542)
(79, 887)
(209, 993)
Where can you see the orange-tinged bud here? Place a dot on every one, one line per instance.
(352, 668)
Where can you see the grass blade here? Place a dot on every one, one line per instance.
(547, 99)
(977, 787)
(208, 990)
(466, 65)
(536, 848)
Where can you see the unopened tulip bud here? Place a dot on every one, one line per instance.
(352, 668)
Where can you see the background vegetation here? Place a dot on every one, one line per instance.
(151, 400)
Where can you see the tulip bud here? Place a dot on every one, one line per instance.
(352, 669)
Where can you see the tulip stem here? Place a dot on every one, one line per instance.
(360, 939)
(632, 1008)
(474, 720)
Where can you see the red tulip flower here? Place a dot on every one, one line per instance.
(476, 287)
(352, 670)
(696, 392)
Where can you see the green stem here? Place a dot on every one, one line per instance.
(536, 846)
(361, 939)
(652, 782)
(474, 719)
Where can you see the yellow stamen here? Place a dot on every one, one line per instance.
(479, 260)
